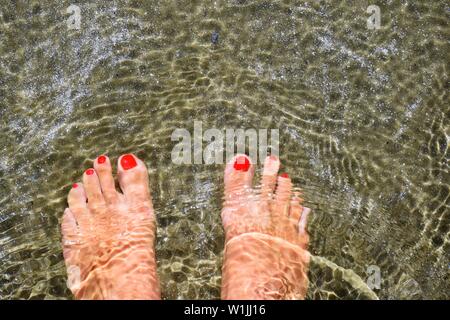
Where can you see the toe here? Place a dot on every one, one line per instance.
(304, 237)
(77, 197)
(77, 201)
(92, 188)
(133, 179)
(295, 208)
(238, 174)
(303, 220)
(269, 177)
(283, 194)
(102, 166)
(78, 206)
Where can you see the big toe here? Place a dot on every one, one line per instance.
(238, 175)
(133, 180)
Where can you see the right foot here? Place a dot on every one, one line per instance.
(266, 253)
(108, 236)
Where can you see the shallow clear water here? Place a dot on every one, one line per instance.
(363, 118)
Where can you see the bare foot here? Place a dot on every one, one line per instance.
(266, 240)
(108, 236)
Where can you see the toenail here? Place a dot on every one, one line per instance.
(90, 172)
(241, 164)
(284, 175)
(101, 159)
(128, 162)
(75, 185)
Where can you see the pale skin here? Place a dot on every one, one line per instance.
(109, 236)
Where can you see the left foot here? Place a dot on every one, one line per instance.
(108, 236)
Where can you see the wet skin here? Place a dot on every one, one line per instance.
(266, 239)
(108, 236)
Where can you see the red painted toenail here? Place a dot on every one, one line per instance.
(284, 175)
(241, 164)
(101, 159)
(90, 172)
(75, 185)
(128, 162)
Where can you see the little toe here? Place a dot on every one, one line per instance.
(77, 199)
(283, 195)
(93, 190)
(303, 220)
(133, 180)
(238, 175)
(296, 208)
(77, 203)
(302, 230)
(102, 166)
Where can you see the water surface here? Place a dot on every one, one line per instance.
(363, 118)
